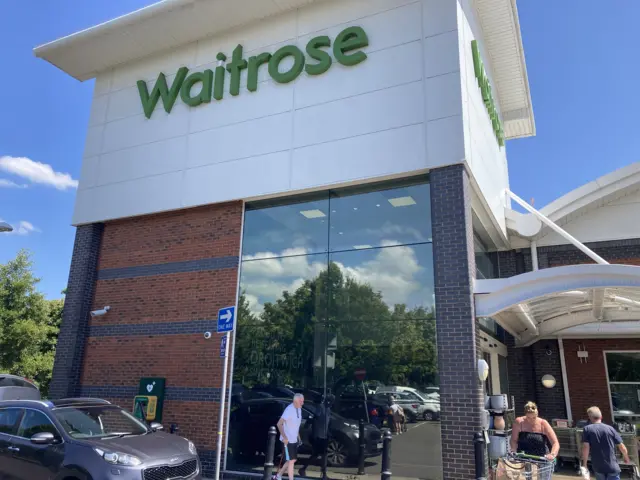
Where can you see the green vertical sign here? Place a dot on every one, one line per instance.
(487, 94)
(153, 389)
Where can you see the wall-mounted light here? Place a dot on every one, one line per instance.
(483, 370)
(548, 381)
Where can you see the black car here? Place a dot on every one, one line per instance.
(251, 421)
(88, 439)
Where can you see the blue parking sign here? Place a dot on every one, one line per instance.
(226, 319)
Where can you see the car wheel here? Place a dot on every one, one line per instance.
(429, 416)
(337, 453)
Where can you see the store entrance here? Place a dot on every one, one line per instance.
(337, 299)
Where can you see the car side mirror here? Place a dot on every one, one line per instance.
(156, 427)
(43, 438)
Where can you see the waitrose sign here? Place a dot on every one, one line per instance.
(346, 50)
(487, 94)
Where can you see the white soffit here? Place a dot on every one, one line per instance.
(503, 41)
(153, 29)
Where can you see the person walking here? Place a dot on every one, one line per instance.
(600, 440)
(289, 428)
(320, 436)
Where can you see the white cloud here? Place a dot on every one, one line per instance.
(37, 172)
(4, 183)
(22, 228)
(393, 271)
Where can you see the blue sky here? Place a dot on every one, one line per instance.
(582, 73)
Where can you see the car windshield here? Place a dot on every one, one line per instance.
(98, 421)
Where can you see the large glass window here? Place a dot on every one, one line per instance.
(337, 298)
(623, 369)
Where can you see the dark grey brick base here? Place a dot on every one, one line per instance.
(77, 307)
(461, 393)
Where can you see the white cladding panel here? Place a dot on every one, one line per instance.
(487, 161)
(398, 112)
(617, 220)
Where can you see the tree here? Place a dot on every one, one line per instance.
(29, 324)
(335, 314)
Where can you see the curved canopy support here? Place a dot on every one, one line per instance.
(545, 302)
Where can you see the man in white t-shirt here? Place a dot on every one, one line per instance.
(289, 427)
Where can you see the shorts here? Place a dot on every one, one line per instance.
(290, 451)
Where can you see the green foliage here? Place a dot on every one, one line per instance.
(285, 343)
(29, 323)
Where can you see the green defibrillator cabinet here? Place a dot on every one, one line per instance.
(147, 405)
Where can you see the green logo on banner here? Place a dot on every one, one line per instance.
(346, 50)
(487, 95)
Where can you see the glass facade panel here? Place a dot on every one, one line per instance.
(291, 229)
(624, 384)
(357, 323)
(623, 366)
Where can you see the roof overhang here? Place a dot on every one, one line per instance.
(547, 302)
(503, 41)
(600, 192)
(159, 27)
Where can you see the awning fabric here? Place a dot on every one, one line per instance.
(546, 302)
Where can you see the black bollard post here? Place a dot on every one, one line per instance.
(385, 474)
(479, 449)
(271, 450)
(363, 447)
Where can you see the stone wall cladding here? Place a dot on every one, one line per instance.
(461, 394)
(588, 380)
(75, 316)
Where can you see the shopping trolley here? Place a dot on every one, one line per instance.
(519, 466)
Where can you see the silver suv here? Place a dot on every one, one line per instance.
(88, 439)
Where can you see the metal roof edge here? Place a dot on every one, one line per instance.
(523, 65)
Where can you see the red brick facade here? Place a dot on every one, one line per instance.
(143, 299)
(588, 380)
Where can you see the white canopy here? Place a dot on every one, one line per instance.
(546, 302)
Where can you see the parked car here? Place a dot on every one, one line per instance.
(425, 406)
(375, 410)
(252, 420)
(13, 387)
(81, 439)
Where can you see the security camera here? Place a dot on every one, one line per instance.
(99, 313)
(207, 335)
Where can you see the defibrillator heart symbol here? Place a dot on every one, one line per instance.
(149, 388)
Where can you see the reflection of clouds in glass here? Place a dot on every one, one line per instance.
(396, 272)
(390, 230)
(393, 271)
(294, 264)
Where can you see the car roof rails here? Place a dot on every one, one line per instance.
(68, 402)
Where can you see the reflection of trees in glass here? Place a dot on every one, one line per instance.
(283, 345)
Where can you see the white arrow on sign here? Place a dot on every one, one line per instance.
(226, 316)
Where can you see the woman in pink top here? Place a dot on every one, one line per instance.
(533, 435)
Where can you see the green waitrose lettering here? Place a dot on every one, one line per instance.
(346, 50)
(487, 94)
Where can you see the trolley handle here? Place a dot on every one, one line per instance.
(530, 457)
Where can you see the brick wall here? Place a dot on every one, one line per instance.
(588, 380)
(551, 404)
(461, 393)
(165, 277)
(75, 316)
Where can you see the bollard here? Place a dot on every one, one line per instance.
(479, 450)
(385, 474)
(363, 447)
(271, 450)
